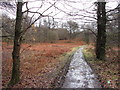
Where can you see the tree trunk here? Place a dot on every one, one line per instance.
(70, 34)
(119, 45)
(119, 17)
(101, 35)
(86, 33)
(16, 49)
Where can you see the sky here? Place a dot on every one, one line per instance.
(83, 9)
(64, 7)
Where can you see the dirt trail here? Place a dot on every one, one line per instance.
(80, 75)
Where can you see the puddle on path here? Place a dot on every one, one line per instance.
(80, 75)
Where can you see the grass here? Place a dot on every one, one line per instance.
(65, 60)
(67, 56)
(106, 70)
(88, 54)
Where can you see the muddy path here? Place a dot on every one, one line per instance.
(80, 75)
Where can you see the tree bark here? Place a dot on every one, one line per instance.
(86, 33)
(16, 49)
(119, 45)
(119, 19)
(70, 34)
(101, 35)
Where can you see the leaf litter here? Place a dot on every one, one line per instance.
(39, 63)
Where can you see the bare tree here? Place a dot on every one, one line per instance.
(19, 34)
(119, 43)
(119, 19)
(73, 26)
(17, 43)
(101, 35)
(7, 26)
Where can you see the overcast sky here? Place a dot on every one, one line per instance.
(65, 7)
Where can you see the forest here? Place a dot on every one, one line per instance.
(60, 44)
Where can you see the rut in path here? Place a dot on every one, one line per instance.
(80, 75)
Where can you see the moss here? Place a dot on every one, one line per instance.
(65, 60)
(106, 70)
(66, 56)
(88, 55)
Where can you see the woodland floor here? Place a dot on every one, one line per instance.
(107, 70)
(40, 63)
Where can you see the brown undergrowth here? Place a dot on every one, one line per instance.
(40, 63)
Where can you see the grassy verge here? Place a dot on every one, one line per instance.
(65, 60)
(106, 70)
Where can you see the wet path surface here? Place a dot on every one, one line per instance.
(80, 75)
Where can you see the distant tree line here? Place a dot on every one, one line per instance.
(40, 33)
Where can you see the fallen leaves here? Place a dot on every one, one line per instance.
(39, 63)
(106, 70)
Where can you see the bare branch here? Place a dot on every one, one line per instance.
(93, 32)
(83, 16)
(23, 32)
(32, 7)
(40, 15)
(49, 7)
(112, 19)
(61, 10)
(113, 9)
